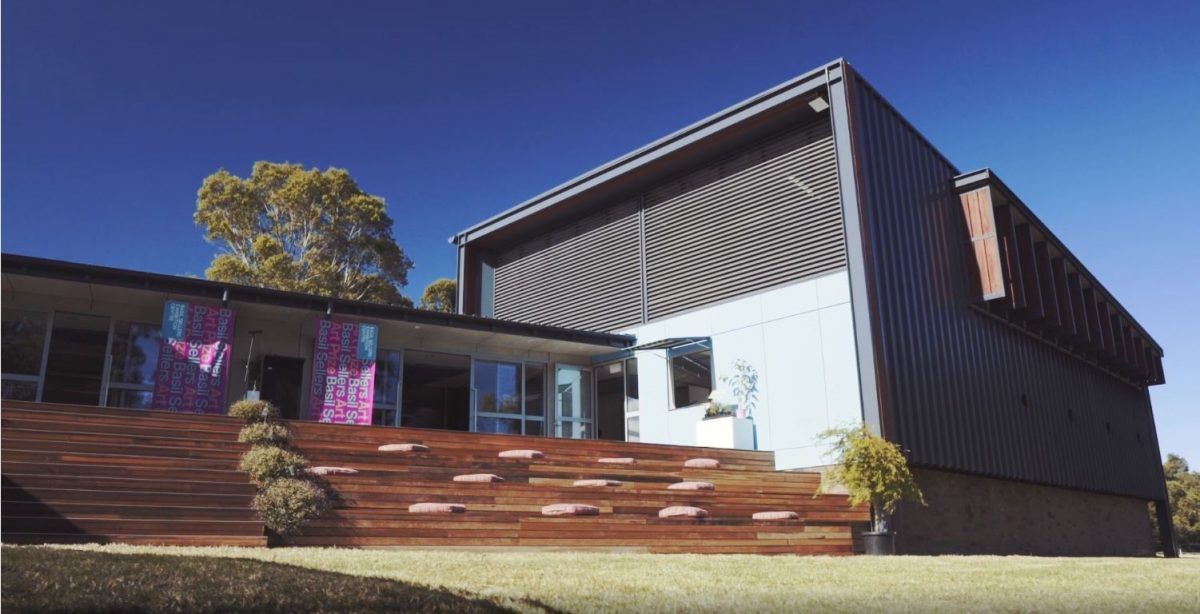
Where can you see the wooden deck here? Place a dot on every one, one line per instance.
(82, 474)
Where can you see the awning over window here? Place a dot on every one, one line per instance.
(674, 346)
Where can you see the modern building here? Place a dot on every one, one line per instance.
(808, 239)
(812, 233)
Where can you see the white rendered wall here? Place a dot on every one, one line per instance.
(799, 337)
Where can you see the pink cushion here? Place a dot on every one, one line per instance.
(478, 477)
(776, 516)
(682, 511)
(617, 461)
(570, 509)
(403, 447)
(702, 463)
(437, 508)
(692, 486)
(526, 454)
(332, 471)
(596, 483)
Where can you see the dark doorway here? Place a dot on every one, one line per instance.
(281, 380)
(75, 364)
(437, 391)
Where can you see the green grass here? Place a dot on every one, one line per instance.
(587, 582)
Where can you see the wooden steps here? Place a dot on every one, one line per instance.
(74, 474)
(92, 475)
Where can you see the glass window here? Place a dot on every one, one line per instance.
(633, 431)
(437, 391)
(24, 338)
(20, 390)
(135, 350)
(691, 378)
(388, 365)
(535, 391)
(129, 398)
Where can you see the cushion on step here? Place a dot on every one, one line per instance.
(437, 508)
(526, 454)
(682, 511)
(616, 461)
(403, 447)
(332, 471)
(692, 486)
(570, 509)
(596, 483)
(478, 477)
(702, 463)
(776, 516)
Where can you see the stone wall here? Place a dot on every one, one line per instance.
(974, 515)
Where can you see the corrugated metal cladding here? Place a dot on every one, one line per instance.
(767, 216)
(960, 389)
(584, 275)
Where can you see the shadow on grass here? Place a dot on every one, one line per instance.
(51, 580)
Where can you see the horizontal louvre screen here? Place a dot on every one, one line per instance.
(762, 218)
(584, 275)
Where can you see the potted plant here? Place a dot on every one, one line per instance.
(872, 470)
(720, 428)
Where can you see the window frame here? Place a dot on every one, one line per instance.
(40, 377)
(109, 385)
(681, 353)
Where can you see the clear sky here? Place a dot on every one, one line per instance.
(113, 113)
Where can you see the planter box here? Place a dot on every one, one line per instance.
(726, 432)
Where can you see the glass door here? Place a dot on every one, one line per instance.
(497, 391)
(75, 359)
(573, 415)
(617, 416)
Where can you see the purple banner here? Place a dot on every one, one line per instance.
(193, 364)
(343, 376)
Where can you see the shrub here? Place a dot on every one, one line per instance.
(873, 470)
(254, 411)
(286, 505)
(264, 433)
(266, 464)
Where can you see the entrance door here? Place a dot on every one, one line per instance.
(76, 359)
(573, 415)
(617, 401)
(497, 394)
(281, 380)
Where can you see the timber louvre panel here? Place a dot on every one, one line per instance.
(583, 275)
(764, 217)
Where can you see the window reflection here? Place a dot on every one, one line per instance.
(691, 378)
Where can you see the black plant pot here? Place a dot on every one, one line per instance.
(879, 543)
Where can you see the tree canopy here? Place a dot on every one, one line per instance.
(440, 295)
(302, 230)
(1183, 490)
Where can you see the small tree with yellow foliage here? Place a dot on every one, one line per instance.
(873, 470)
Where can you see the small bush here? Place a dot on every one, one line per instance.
(266, 464)
(286, 505)
(254, 411)
(264, 433)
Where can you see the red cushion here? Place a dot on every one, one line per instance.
(332, 470)
(692, 486)
(570, 509)
(776, 516)
(437, 508)
(403, 447)
(682, 511)
(617, 461)
(478, 477)
(702, 463)
(526, 454)
(596, 483)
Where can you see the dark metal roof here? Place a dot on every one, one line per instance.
(757, 105)
(202, 288)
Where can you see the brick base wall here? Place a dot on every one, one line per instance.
(975, 515)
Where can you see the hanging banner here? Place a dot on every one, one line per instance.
(343, 376)
(193, 362)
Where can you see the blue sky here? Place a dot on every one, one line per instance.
(114, 112)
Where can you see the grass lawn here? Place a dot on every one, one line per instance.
(186, 579)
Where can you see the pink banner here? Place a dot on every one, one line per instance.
(343, 376)
(193, 363)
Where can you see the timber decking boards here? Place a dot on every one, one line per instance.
(87, 474)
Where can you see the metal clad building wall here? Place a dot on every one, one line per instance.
(962, 390)
(583, 275)
(764, 217)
